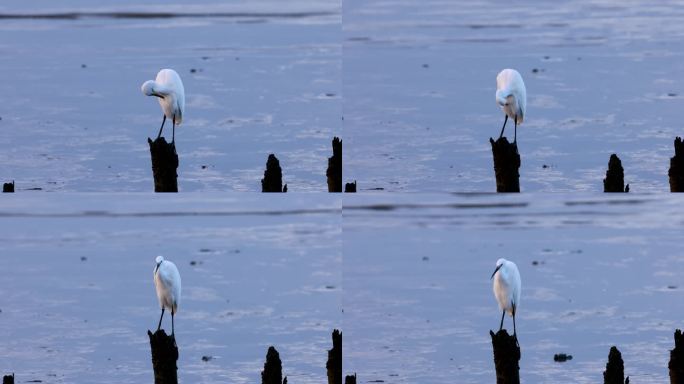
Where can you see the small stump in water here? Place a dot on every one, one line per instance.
(676, 364)
(350, 379)
(273, 176)
(8, 379)
(615, 368)
(334, 172)
(164, 357)
(506, 357)
(676, 171)
(8, 187)
(164, 165)
(506, 165)
(334, 364)
(615, 176)
(273, 368)
(350, 187)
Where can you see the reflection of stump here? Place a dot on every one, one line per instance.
(506, 357)
(273, 368)
(334, 171)
(164, 165)
(615, 176)
(334, 364)
(8, 187)
(350, 379)
(273, 176)
(350, 187)
(615, 368)
(8, 379)
(164, 357)
(506, 165)
(676, 172)
(676, 364)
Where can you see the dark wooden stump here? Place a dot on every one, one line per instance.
(8, 379)
(506, 357)
(506, 165)
(8, 187)
(350, 187)
(164, 165)
(273, 176)
(273, 368)
(676, 172)
(615, 176)
(615, 368)
(350, 379)
(334, 171)
(164, 357)
(676, 364)
(334, 363)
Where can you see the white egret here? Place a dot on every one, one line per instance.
(168, 87)
(507, 288)
(512, 97)
(167, 281)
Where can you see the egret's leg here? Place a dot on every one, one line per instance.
(504, 126)
(173, 140)
(160, 319)
(502, 317)
(162, 127)
(172, 332)
(515, 131)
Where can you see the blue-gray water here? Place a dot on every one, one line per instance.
(596, 272)
(267, 79)
(77, 297)
(419, 83)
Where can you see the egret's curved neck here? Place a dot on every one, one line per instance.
(160, 90)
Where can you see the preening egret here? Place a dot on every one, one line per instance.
(168, 87)
(507, 288)
(512, 97)
(167, 281)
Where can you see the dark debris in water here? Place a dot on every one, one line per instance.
(83, 258)
(425, 258)
(207, 358)
(329, 287)
(561, 357)
(671, 287)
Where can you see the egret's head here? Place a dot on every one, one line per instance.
(159, 259)
(499, 264)
(148, 88)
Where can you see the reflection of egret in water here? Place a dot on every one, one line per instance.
(507, 288)
(168, 87)
(167, 281)
(512, 97)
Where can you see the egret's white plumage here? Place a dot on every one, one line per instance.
(512, 97)
(167, 281)
(168, 87)
(507, 288)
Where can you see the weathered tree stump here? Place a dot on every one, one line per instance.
(334, 363)
(164, 357)
(273, 368)
(506, 165)
(350, 379)
(350, 187)
(506, 357)
(164, 165)
(273, 176)
(676, 171)
(676, 364)
(615, 176)
(8, 379)
(8, 187)
(334, 171)
(615, 368)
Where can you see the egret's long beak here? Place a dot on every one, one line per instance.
(157, 268)
(158, 95)
(495, 271)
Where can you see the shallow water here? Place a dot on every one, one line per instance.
(77, 296)
(419, 83)
(596, 272)
(259, 79)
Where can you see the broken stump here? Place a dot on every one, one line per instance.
(164, 165)
(8, 379)
(273, 176)
(506, 357)
(676, 171)
(506, 165)
(350, 187)
(334, 363)
(8, 187)
(334, 172)
(615, 176)
(350, 379)
(615, 368)
(273, 368)
(164, 357)
(676, 364)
